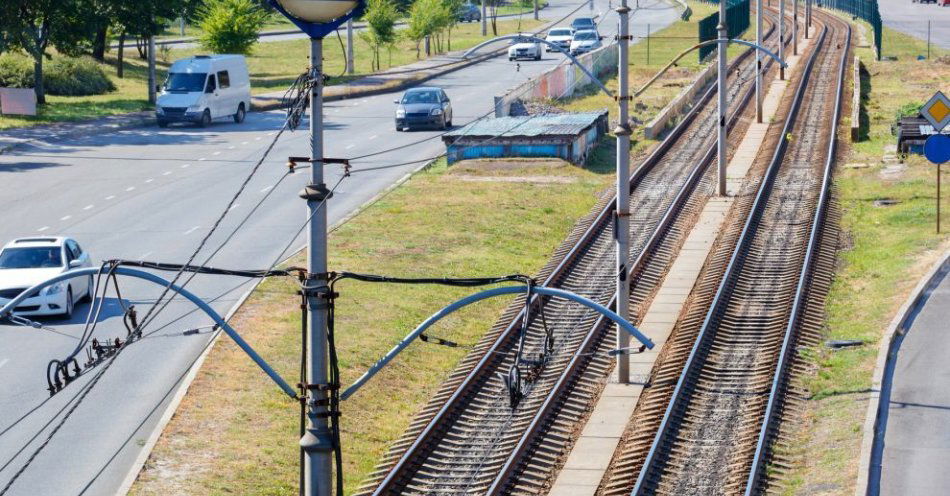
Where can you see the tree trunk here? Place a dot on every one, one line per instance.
(99, 44)
(38, 78)
(449, 39)
(141, 45)
(120, 58)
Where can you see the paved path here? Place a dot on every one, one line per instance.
(149, 193)
(911, 18)
(917, 440)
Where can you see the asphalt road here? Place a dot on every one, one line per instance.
(912, 18)
(151, 194)
(917, 439)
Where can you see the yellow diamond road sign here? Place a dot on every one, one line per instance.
(937, 111)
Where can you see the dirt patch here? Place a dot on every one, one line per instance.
(517, 179)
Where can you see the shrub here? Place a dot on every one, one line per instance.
(62, 75)
(76, 77)
(16, 71)
(230, 26)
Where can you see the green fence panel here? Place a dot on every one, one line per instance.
(737, 21)
(866, 10)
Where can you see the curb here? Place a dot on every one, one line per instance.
(133, 474)
(875, 423)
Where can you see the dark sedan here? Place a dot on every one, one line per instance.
(425, 106)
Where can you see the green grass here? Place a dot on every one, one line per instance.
(273, 67)
(886, 250)
(236, 434)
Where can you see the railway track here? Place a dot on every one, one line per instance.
(719, 422)
(468, 439)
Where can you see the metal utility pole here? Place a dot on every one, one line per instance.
(721, 144)
(535, 10)
(794, 27)
(152, 82)
(623, 193)
(317, 442)
(484, 18)
(781, 37)
(350, 69)
(758, 61)
(591, 5)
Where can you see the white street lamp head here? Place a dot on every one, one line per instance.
(318, 11)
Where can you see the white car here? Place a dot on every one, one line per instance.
(561, 37)
(26, 262)
(525, 50)
(585, 41)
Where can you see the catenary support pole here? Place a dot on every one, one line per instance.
(794, 27)
(928, 39)
(758, 61)
(484, 18)
(623, 192)
(317, 441)
(781, 36)
(350, 68)
(152, 80)
(721, 143)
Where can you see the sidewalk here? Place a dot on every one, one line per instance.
(917, 436)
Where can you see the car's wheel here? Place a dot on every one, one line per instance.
(205, 119)
(162, 124)
(510, 59)
(240, 114)
(445, 124)
(538, 56)
(70, 304)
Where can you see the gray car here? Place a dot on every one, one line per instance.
(468, 13)
(425, 106)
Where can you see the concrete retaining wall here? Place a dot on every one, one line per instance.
(678, 105)
(560, 81)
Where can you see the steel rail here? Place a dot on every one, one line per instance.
(682, 197)
(800, 291)
(736, 259)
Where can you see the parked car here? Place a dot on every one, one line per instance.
(425, 106)
(525, 50)
(468, 13)
(585, 41)
(26, 262)
(583, 24)
(561, 37)
(205, 87)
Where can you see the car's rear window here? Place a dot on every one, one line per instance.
(560, 32)
(30, 258)
(587, 35)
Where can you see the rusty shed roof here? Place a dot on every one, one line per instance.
(528, 126)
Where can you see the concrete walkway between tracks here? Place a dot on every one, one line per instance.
(590, 457)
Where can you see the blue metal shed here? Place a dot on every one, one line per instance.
(566, 136)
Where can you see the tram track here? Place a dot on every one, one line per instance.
(468, 440)
(734, 350)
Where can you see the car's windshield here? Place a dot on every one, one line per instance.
(185, 81)
(587, 35)
(30, 258)
(421, 97)
(560, 32)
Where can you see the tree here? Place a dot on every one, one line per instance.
(426, 18)
(230, 26)
(36, 25)
(380, 18)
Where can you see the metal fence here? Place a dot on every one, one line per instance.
(861, 9)
(737, 21)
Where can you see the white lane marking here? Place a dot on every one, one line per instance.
(66, 217)
(167, 173)
(4, 362)
(148, 180)
(271, 133)
(244, 142)
(202, 159)
(265, 190)
(374, 136)
(42, 229)
(110, 197)
(257, 138)
(349, 146)
(236, 205)
(88, 207)
(145, 255)
(215, 153)
(230, 148)
(193, 229)
(130, 188)
(186, 166)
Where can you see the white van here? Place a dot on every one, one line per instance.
(205, 87)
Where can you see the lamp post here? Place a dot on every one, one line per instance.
(317, 18)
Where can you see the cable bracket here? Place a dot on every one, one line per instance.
(316, 192)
